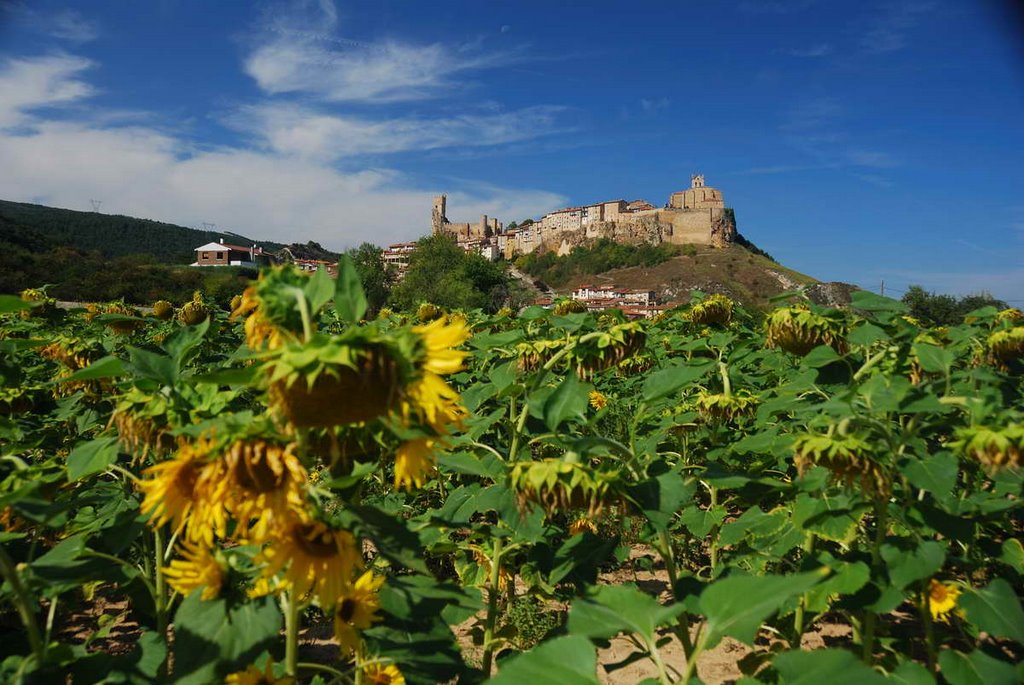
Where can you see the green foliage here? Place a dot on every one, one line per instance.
(531, 621)
(441, 273)
(376, 280)
(595, 258)
(945, 310)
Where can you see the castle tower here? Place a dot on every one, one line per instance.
(697, 196)
(438, 218)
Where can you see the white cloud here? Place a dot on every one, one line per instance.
(70, 25)
(875, 159)
(294, 130)
(27, 84)
(891, 26)
(299, 52)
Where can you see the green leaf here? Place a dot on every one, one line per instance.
(670, 379)
(870, 302)
(91, 457)
(349, 297)
(822, 355)
(568, 401)
(580, 555)
(185, 340)
(934, 359)
(105, 367)
(935, 473)
(976, 668)
(1013, 554)
(567, 660)
(832, 666)
(158, 367)
(213, 638)
(911, 673)
(738, 605)
(614, 609)
(661, 497)
(13, 303)
(700, 521)
(996, 610)
(866, 334)
(907, 564)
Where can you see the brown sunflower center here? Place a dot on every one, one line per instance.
(185, 480)
(347, 609)
(254, 472)
(316, 541)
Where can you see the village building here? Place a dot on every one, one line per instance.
(223, 254)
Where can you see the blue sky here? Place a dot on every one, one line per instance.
(857, 141)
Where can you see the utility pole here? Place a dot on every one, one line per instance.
(95, 204)
(882, 291)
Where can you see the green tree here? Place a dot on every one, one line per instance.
(441, 273)
(945, 310)
(373, 272)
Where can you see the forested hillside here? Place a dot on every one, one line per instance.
(109, 234)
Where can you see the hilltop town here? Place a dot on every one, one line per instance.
(696, 215)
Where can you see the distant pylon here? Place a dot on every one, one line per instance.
(207, 226)
(96, 204)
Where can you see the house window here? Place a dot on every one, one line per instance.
(206, 255)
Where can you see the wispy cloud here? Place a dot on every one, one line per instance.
(160, 173)
(71, 25)
(875, 159)
(65, 24)
(31, 83)
(892, 25)
(296, 52)
(819, 50)
(308, 133)
(654, 105)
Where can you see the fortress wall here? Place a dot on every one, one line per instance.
(690, 226)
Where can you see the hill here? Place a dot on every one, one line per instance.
(111, 235)
(744, 274)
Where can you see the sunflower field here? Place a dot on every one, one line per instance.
(282, 491)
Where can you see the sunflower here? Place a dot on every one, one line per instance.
(376, 673)
(162, 309)
(197, 568)
(581, 524)
(413, 460)
(941, 599)
(847, 456)
(715, 309)
(357, 610)
(439, 338)
(597, 400)
(188, 492)
(264, 484)
(314, 557)
(254, 676)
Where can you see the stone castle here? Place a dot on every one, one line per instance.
(695, 215)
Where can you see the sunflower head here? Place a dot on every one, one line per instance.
(582, 524)
(846, 456)
(799, 330)
(163, 310)
(941, 598)
(558, 485)
(597, 400)
(506, 313)
(377, 673)
(567, 306)
(195, 312)
(1006, 346)
(197, 567)
(313, 558)
(714, 309)
(534, 354)
(609, 348)
(427, 312)
(995, 449)
(722, 407)
(356, 610)
(254, 676)
(235, 303)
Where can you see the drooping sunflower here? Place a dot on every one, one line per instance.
(714, 309)
(197, 568)
(798, 329)
(254, 676)
(430, 398)
(413, 460)
(582, 524)
(314, 557)
(376, 673)
(994, 448)
(356, 610)
(847, 456)
(264, 484)
(597, 400)
(187, 491)
(941, 598)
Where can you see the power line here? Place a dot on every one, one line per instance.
(96, 204)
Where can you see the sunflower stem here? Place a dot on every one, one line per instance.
(159, 592)
(291, 635)
(723, 369)
(683, 623)
(925, 604)
(492, 606)
(881, 522)
(24, 605)
(798, 618)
